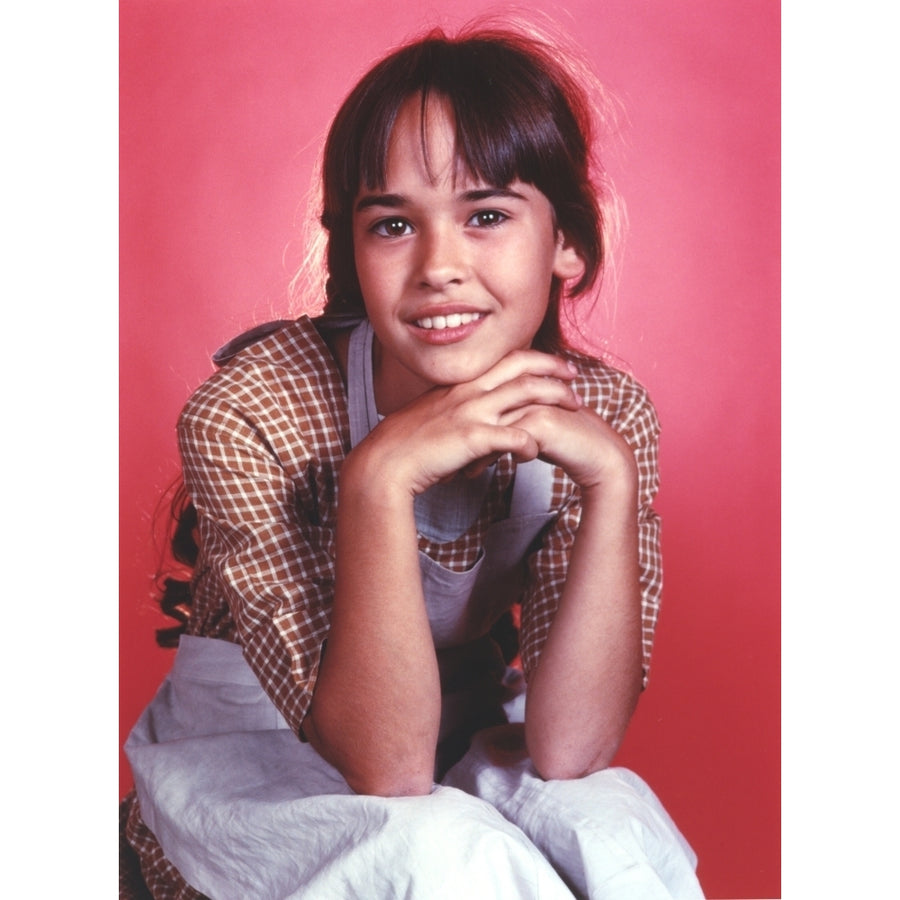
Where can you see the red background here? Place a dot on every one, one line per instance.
(223, 109)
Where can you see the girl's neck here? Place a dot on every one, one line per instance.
(395, 386)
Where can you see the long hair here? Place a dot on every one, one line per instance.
(525, 107)
(521, 112)
(173, 577)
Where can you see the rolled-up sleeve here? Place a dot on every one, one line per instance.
(275, 569)
(624, 403)
(261, 448)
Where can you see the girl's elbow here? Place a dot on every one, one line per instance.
(375, 775)
(383, 774)
(561, 768)
(557, 763)
(382, 783)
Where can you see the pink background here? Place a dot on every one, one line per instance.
(223, 108)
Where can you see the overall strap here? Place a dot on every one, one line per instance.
(532, 489)
(360, 384)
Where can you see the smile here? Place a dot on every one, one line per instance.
(454, 320)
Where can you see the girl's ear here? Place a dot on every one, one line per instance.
(568, 262)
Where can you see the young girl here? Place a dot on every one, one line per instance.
(376, 489)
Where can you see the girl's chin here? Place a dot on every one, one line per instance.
(460, 373)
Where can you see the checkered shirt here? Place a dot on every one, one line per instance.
(262, 442)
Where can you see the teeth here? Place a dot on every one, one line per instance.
(454, 320)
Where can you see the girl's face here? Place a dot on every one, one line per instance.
(455, 274)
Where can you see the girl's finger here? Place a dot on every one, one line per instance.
(488, 443)
(526, 362)
(474, 469)
(526, 390)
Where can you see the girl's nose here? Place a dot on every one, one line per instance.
(442, 260)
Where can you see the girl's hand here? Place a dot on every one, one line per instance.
(590, 451)
(448, 429)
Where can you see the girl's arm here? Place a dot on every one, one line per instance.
(376, 708)
(585, 685)
(377, 705)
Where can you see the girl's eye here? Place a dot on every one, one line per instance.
(487, 218)
(392, 228)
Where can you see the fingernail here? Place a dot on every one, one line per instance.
(572, 367)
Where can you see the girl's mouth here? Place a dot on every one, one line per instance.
(453, 320)
(444, 328)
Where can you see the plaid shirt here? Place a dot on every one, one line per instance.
(262, 443)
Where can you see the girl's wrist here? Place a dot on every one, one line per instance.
(618, 483)
(364, 474)
(617, 474)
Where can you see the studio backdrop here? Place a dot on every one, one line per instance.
(224, 106)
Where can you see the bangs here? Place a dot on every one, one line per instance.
(498, 102)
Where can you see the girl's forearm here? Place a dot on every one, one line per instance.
(588, 679)
(376, 710)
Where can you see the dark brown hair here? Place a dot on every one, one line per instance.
(519, 112)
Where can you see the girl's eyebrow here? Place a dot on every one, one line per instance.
(397, 201)
(491, 194)
(391, 201)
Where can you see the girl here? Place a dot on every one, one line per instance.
(376, 489)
